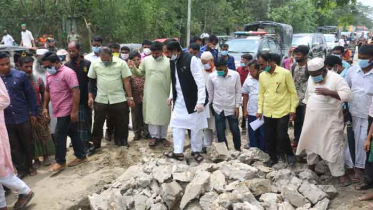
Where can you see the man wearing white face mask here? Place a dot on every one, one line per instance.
(146, 48)
(189, 97)
(156, 70)
(124, 53)
(360, 79)
(227, 57)
(96, 44)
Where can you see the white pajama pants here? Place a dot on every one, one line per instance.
(179, 138)
(360, 128)
(158, 131)
(208, 136)
(14, 183)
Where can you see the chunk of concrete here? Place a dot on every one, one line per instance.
(218, 152)
(329, 190)
(193, 206)
(312, 192)
(171, 193)
(322, 205)
(309, 176)
(293, 196)
(259, 186)
(207, 199)
(244, 206)
(162, 173)
(195, 188)
(253, 154)
(218, 181)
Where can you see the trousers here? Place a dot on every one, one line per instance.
(360, 128)
(208, 136)
(179, 139)
(14, 183)
(158, 131)
(298, 122)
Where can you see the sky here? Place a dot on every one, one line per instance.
(366, 2)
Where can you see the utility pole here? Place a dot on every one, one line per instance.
(188, 22)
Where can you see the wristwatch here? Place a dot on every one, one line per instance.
(130, 98)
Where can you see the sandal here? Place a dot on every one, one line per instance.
(165, 143)
(345, 182)
(363, 186)
(358, 177)
(32, 172)
(153, 142)
(197, 157)
(179, 157)
(57, 168)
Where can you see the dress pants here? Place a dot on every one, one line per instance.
(255, 138)
(179, 138)
(298, 122)
(138, 124)
(12, 182)
(220, 122)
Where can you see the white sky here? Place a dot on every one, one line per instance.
(366, 2)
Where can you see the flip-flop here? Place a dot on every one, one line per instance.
(165, 143)
(174, 156)
(346, 183)
(55, 171)
(358, 177)
(197, 157)
(153, 142)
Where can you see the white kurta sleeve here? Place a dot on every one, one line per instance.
(4, 97)
(238, 91)
(196, 70)
(307, 95)
(343, 90)
(210, 89)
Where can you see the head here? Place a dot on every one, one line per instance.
(96, 44)
(72, 31)
(74, 50)
(165, 50)
(115, 49)
(51, 42)
(291, 50)
(4, 63)
(346, 47)
(343, 37)
(221, 66)
(136, 58)
(213, 42)
(5, 32)
(276, 59)
(45, 35)
(198, 41)
(317, 70)
(265, 61)
(23, 27)
(254, 69)
(366, 57)
(26, 64)
(50, 36)
(333, 63)
(106, 55)
(174, 49)
(146, 44)
(124, 52)
(246, 59)
(300, 53)
(205, 38)
(194, 49)
(338, 51)
(207, 60)
(51, 62)
(157, 50)
(224, 49)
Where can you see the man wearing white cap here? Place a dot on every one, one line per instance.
(322, 133)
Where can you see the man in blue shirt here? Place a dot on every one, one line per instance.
(17, 116)
(230, 60)
(212, 46)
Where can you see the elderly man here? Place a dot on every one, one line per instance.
(322, 133)
(114, 96)
(156, 69)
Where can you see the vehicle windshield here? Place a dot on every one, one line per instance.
(301, 40)
(243, 45)
(330, 38)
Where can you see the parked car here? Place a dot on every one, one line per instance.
(331, 42)
(335, 30)
(316, 42)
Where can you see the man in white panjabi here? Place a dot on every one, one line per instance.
(207, 60)
(189, 100)
(322, 133)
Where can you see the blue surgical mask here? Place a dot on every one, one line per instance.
(96, 49)
(52, 70)
(173, 57)
(220, 73)
(363, 63)
(317, 79)
(224, 53)
(207, 66)
(243, 64)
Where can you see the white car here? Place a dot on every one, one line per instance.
(331, 41)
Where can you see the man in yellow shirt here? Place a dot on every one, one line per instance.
(277, 101)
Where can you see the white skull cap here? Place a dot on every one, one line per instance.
(315, 64)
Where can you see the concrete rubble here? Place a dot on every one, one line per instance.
(225, 180)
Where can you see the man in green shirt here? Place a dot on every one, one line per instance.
(114, 96)
(72, 37)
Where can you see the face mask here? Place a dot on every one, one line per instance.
(147, 51)
(224, 53)
(267, 69)
(106, 63)
(96, 49)
(173, 57)
(299, 60)
(363, 63)
(243, 64)
(125, 56)
(207, 66)
(52, 70)
(116, 55)
(339, 56)
(220, 73)
(318, 78)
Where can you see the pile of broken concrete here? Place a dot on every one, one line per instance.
(227, 180)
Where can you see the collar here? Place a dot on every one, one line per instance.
(10, 73)
(361, 70)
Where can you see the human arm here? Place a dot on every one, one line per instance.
(245, 94)
(4, 97)
(32, 40)
(30, 97)
(76, 101)
(369, 139)
(91, 91)
(41, 90)
(46, 102)
(238, 94)
(294, 101)
(196, 70)
(126, 75)
(260, 98)
(138, 72)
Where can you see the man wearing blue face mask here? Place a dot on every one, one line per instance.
(96, 44)
(360, 79)
(339, 51)
(322, 133)
(226, 56)
(224, 88)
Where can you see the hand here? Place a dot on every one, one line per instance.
(245, 114)
(237, 112)
(131, 103)
(34, 120)
(367, 145)
(169, 102)
(46, 114)
(292, 116)
(259, 116)
(323, 91)
(131, 64)
(90, 102)
(74, 117)
(199, 108)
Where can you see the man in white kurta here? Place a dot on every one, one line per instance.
(322, 133)
(183, 117)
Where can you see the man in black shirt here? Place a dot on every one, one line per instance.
(81, 67)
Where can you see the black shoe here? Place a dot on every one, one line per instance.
(125, 144)
(281, 158)
(117, 142)
(204, 150)
(92, 150)
(270, 163)
(291, 160)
